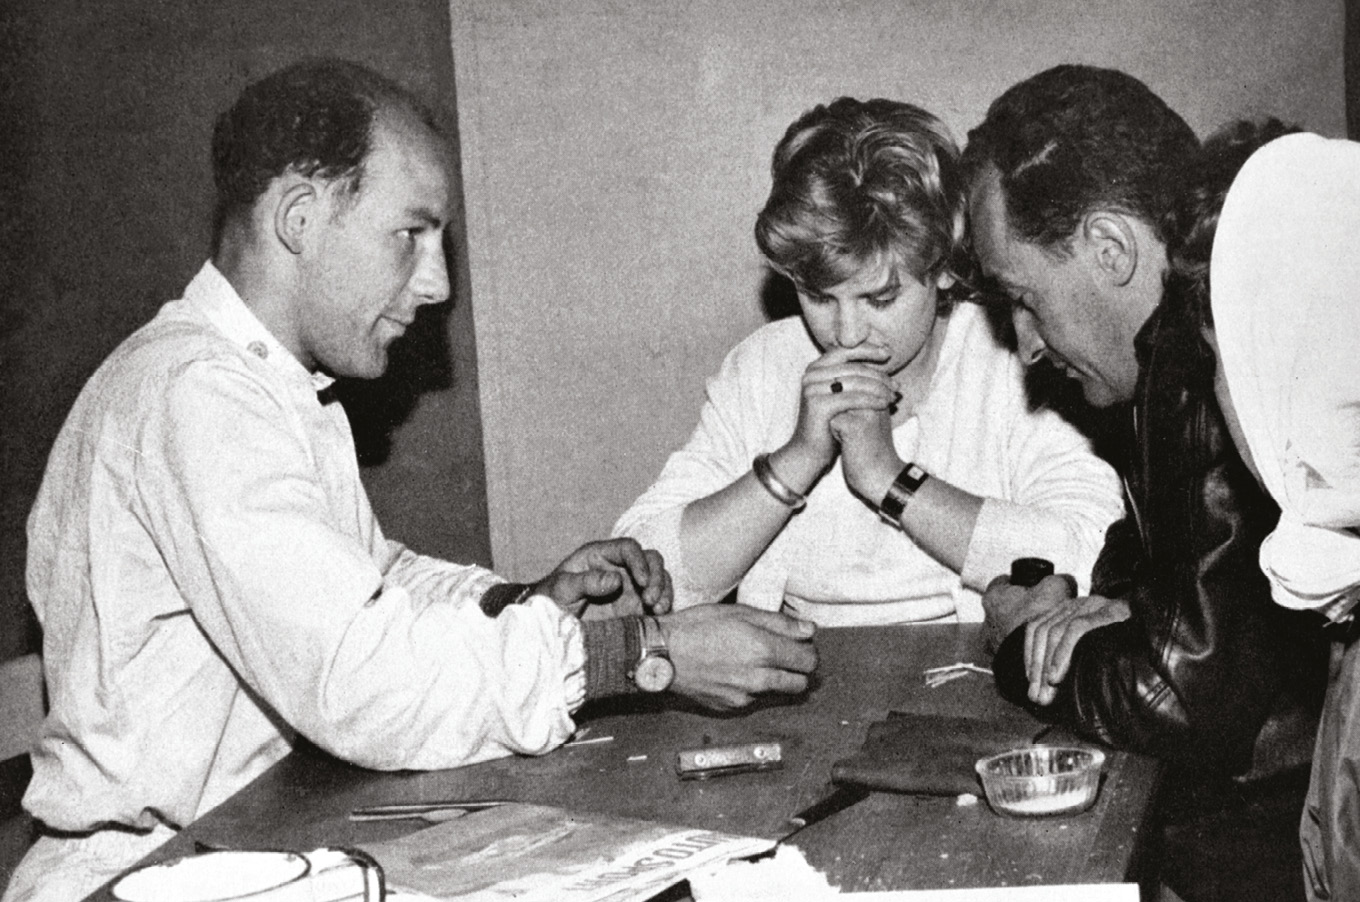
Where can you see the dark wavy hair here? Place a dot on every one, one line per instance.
(314, 118)
(1193, 221)
(1073, 139)
(854, 181)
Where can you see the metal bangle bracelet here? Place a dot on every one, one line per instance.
(772, 483)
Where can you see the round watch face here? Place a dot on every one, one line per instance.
(654, 673)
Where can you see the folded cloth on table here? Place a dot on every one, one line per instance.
(928, 754)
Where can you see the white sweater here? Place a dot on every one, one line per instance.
(837, 562)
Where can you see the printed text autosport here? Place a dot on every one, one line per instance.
(667, 856)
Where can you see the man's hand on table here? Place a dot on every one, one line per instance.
(1008, 606)
(727, 654)
(610, 578)
(1051, 638)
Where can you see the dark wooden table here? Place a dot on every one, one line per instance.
(887, 841)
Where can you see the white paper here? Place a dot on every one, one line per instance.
(787, 876)
(1067, 892)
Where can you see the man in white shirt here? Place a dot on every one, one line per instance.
(211, 581)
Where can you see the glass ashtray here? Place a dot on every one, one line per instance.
(1042, 779)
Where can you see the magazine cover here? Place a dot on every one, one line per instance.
(533, 852)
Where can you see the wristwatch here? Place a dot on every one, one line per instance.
(907, 483)
(654, 671)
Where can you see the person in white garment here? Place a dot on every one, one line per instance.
(877, 459)
(210, 579)
(1283, 313)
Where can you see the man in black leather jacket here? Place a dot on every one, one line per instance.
(1179, 652)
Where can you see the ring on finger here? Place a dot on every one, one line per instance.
(836, 387)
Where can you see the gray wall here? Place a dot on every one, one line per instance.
(615, 154)
(105, 115)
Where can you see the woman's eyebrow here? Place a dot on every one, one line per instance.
(890, 283)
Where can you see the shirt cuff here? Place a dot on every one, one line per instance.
(993, 543)
(613, 647)
(1005, 531)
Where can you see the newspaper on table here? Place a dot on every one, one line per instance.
(787, 875)
(535, 853)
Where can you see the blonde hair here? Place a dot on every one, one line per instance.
(859, 181)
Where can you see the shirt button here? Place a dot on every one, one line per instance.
(258, 349)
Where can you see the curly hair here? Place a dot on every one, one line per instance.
(1193, 221)
(314, 118)
(1072, 139)
(856, 181)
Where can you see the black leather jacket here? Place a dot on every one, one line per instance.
(1194, 673)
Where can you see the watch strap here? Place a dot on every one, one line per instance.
(653, 639)
(907, 483)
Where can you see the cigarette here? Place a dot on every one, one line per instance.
(960, 666)
(591, 741)
(940, 679)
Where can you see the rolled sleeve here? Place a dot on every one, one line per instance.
(1061, 501)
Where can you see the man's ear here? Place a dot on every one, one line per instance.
(1114, 243)
(294, 214)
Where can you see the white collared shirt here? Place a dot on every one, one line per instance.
(211, 582)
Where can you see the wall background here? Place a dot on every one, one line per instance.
(106, 111)
(615, 155)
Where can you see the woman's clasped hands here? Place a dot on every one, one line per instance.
(846, 408)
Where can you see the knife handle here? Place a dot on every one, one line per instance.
(719, 760)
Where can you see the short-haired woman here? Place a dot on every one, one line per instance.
(876, 460)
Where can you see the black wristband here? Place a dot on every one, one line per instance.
(907, 483)
(612, 650)
(502, 595)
